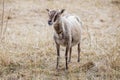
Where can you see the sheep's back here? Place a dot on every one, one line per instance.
(73, 25)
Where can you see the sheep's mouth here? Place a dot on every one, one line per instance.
(50, 23)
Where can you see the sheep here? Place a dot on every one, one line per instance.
(67, 32)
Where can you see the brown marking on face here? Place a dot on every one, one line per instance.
(53, 15)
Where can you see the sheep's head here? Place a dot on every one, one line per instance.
(54, 15)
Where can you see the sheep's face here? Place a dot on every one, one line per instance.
(54, 15)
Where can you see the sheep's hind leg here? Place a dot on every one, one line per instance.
(66, 56)
(70, 54)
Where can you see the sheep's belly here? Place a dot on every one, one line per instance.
(63, 42)
(74, 43)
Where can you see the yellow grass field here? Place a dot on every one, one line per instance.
(27, 48)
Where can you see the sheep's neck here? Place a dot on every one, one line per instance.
(58, 27)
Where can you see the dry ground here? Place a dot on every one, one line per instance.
(27, 50)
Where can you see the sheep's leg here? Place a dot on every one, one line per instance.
(79, 52)
(70, 54)
(58, 55)
(66, 56)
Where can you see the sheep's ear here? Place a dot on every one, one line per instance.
(62, 11)
(47, 10)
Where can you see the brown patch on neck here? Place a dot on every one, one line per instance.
(58, 28)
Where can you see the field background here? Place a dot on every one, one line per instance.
(27, 49)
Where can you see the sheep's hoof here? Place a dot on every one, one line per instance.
(56, 67)
(57, 70)
(66, 68)
(69, 61)
(78, 60)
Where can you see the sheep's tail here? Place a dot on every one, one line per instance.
(81, 23)
(79, 20)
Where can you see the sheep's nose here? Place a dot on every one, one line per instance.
(50, 22)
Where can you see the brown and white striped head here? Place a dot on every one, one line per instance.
(54, 15)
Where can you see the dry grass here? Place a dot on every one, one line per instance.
(27, 51)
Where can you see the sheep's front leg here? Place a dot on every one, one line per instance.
(79, 52)
(66, 56)
(58, 55)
